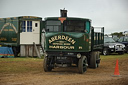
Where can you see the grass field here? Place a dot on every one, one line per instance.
(19, 65)
(24, 65)
(29, 71)
(114, 56)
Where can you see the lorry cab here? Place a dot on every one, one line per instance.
(69, 41)
(66, 35)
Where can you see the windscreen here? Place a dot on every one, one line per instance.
(108, 40)
(74, 26)
(126, 39)
(53, 26)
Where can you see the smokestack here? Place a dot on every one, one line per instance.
(63, 13)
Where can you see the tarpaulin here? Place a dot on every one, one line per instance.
(6, 52)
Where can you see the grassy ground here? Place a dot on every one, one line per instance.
(19, 65)
(114, 56)
(24, 65)
(29, 71)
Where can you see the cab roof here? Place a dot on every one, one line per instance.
(67, 18)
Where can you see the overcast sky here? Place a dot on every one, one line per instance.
(111, 14)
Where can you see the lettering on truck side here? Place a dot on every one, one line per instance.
(63, 42)
(62, 37)
(61, 47)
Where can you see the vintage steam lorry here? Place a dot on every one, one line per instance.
(71, 42)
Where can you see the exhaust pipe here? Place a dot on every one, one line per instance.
(63, 13)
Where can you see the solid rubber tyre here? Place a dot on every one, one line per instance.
(82, 64)
(98, 57)
(46, 65)
(93, 57)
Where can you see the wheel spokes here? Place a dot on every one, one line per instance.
(84, 65)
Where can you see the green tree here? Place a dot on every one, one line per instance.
(117, 34)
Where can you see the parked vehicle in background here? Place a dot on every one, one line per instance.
(110, 46)
(124, 40)
(115, 38)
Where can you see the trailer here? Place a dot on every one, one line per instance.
(71, 41)
(22, 34)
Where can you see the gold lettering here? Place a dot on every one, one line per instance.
(55, 37)
(66, 38)
(11, 30)
(50, 46)
(72, 47)
(73, 42)
(50, 41)
(57, 43)
(69, 39)
(14, 39)
(80, 47)
(57, 46)
(63, 37)
(8, 24)
(67, 44)
(25, 16)
(61, 47)
(5, 29)
(59, 37)
(3, 39)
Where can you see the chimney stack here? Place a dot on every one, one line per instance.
(63, 13)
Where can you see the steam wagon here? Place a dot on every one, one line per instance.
(71, 41)
(23, 34)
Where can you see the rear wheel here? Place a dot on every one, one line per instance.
(93, 57)
(46, 65)
(98, 59)
(82, 64)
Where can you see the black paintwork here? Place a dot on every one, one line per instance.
(124, 40)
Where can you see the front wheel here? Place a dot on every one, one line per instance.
(82, 64)
(105, 51)
(46, 65)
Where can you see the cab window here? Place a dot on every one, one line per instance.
(87, 27)
(53, 26)
(74, 26)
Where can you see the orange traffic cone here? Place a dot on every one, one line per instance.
(116, 72)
